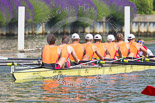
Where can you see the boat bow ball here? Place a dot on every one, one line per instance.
(39, 11)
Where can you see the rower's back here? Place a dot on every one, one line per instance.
(66, 51)
(79, 51)
(133, 49)
(124, 47)
(100, 46)
(89, 50)
(50, 53)
(78, 48)
(111, 46)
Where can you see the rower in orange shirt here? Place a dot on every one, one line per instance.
(98, 43)
(66, 51)
(90, 48)
(112, 47)
(50, 53)
(135, 47)
(78, 48)
(124, 47)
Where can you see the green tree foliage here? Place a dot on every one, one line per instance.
(102, 9)
(154, 5)
(41, 12)
(2, 20)
(143, 6)
(85, 17)
(59, 15)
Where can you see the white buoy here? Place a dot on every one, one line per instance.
(127, 22)
(21, 27)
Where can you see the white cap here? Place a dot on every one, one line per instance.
(131, 36)
(89, 36)
(110, 38)
(75, 36)
(98, 36)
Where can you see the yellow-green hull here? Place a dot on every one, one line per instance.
(88, 71)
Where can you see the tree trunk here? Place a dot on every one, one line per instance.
(0, 32)
(43, 29)
(33, 29)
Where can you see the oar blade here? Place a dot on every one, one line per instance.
(149, 90)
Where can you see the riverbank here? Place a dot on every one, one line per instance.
(141, 25)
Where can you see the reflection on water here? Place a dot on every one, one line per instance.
(124, 88)
(119, 88)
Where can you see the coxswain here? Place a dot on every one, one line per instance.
(140, 41)
(66, 51)
(50, 53)
(113, 47)
(124, 47)
(135, 47)
(91, 49)
(103, 50)
(78, 48)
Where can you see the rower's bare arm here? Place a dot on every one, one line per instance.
(118, 50)
(84, 50)
(74, 55)
(106, 50)
(119, 53)
(98, 53)
(144, 50)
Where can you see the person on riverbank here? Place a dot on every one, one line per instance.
(90, 48)
(66, 51)
(113, 47)
(50, 53)
(124, 47)
(78, 48)
(135, 47)
(140, 41)
(102, 49)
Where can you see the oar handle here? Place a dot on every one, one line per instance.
(24, 59)
(129, 63)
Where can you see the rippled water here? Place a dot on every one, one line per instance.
(118, 88)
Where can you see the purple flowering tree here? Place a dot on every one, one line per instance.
(39, 11)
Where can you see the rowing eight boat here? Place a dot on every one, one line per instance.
(84, 71)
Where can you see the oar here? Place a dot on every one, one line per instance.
(94, 62)
(151, 56)
(20, 64)
(79, 65)
(143, 59)
(129, 63)
(20, 58)
(20, 61)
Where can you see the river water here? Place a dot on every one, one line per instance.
(118, 88)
